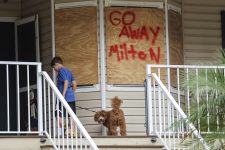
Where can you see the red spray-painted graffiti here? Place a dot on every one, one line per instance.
(140, 33)
(128, 51)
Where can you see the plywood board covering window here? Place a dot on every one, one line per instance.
(76, 42)
(134, 38)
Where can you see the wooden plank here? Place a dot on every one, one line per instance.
(30, 4)
(199, 54)
(130, 128)
(202, 24)
(131, 44)
(202, 9)
(76, 42)
(42, 8)
(201, 46)
(129, 120)
(97, 103)
(125, 95)
(203, 40)
(202, 32)
(89, 104)
(205, 2)
(136, 128)
(10, 9)
(202, 17)
(194, 61)
(88, 96)
(127, 111)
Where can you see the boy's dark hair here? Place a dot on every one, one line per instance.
(56, 60)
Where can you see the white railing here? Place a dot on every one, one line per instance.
(165, 111)
(30, 105)
(68, 140)
(170, 104)
(18, 115)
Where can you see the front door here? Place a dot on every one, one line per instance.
(27, 50)
(18, 42)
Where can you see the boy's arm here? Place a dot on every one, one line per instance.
(74, 85)
(65, 86)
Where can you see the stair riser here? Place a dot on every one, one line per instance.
(130, 148)
(125, 141)
(20, 143)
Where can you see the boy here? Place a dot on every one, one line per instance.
(66, 84)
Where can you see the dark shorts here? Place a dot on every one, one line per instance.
(72, 106)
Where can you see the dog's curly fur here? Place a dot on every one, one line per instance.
(113, 118)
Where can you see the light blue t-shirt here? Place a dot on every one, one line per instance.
(65, 74)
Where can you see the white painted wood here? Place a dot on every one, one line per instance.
(8, 19)
(174, 8)
(189, 32)
(75, 4)
(125, 88)
(176, 3)
(20, 143)
(88, 96)
(125, 95)
(202, 30)
(110, 3)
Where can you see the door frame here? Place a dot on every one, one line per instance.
(8, 19)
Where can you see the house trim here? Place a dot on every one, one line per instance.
(174, 8)
(75, 4)
(8, 19)
(109, 3)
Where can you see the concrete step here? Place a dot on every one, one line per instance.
(24, 142)
(119, 143)
(28, 142)
(127, 143)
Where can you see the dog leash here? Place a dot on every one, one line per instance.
(86, 109)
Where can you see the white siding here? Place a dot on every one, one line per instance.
(43, 9)
(134, 110)
(92, 102)
(202, 30)
(10, 8)
(133, 107)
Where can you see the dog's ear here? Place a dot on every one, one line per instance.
(103, 112)
(96, 117)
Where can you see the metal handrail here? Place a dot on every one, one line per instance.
(175, 105)
(19, 63)
(70, 113)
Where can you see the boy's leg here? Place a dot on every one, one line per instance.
(58, 115)
(60, 126)
(73, 125)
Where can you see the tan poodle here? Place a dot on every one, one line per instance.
(113, 118)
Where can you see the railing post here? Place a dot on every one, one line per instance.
(39, 100)
(149, 101)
